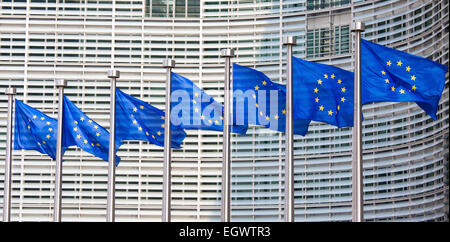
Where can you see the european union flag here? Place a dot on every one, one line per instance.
(395, 76)
(33, 130)
(138, 120)
(259, 101)
(192, 108)
(322, 93)
(80, 130)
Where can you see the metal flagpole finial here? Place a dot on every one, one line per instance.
(289, 40)
(113, 73)
(60, 83)
(10, 91)
(358, 26)
(228, 52)
(168, 63)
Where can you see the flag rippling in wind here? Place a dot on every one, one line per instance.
(395, 76)
(322, 93)
(259, 101)
(138, 120)
(192, 108)
(80, 130)
(33, 130)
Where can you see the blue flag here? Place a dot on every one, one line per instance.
(192, 108)
(322, 93)
(33, 130)
(80, 130)
(138, 120)
(395, 76)
(259, 101)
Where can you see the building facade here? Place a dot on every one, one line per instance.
(405, 152)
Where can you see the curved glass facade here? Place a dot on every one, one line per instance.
(405, 151)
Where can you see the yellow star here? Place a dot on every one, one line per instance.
(330, 112)
(79, 136)
(153, 136)
(98, 134)
(134, 121)
(146, 133)
(140, 128)
(414, 87)
(210, 121)
(92, 144)
(50, 129)
(319, 81)
(383, 72)
(217, 122)
(194, 102)
(343, 89)
(34, 117)
(159, 133)
(267, 118)
(332, 76)
(196, 110)
(339, 81)
(283, 111)
(413, 77)
(276, 117)
(402, 91)
(85, 141)
(134, 109)
(90, 121)
(326, 76)
(75, 129)
(264, 83)
(254, 96)
(221, 117)
(256, 105)
(48, 136)
(261, 113)
(39, 143)
(256, 87)
(75, 122)
(162, 125)
(316, 90)
(48, 123)
(97, 144)
(202, 117)
(42, 118)
(196, 94)
(393, 88)
(386, 80)
(28, 126)
(408, 69)
(29, 120)
(44, 142)
(82, 118)
(162, 117)
(95, 127)
(321, 108)
(317, 99)
(389, 63)
(342, 99)
(399, 63)
(338, 107)
(141, 107)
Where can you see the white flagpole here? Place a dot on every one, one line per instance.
(110, 200)
(289, 212)
(167, 166)
(357, 165)
(60, 84)
(226, 162)
(8, 161)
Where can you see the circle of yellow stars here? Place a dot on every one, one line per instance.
(342, 90)
(259, 110)
(47, 127)
(196, 101)
(389, 82)
(143, 129)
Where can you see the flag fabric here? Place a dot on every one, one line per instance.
(322, 93)
(259, 101)
(33, 130)
(138, 120)
(395, 76)
(80, 130)
(192, 108)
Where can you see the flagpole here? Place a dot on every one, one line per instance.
(60, 84)
(289, 212)
(110, 200)
(226, 162)
(167, 166)
(8, 161)
(357, 165)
